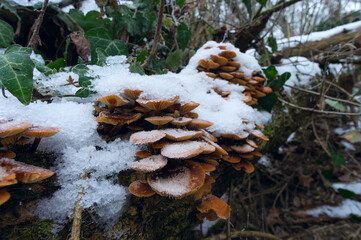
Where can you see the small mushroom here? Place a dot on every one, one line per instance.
(145, 137)
(199, 124)
(231, 158)
(228, 54)
(226, 76)
(40, 132)
(132, 93)
(178, 181)
(186, 108)
(220, 60)
(157, 104)
(11, 128)
(244, 164)
(24, 172)
(259, 134)
(141, 188)
(7, 154)
(113, 101)
(7, 177)
(211, 202)
(234, 136)
(182, 150)
(4, 196)
(176, 134)
(181, 121)
(205, 189)
(245, 148)
(149, 164)
(159, 120)
(143, 154)
(207, 167)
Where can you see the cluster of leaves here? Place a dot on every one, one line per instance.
(335, 21)
(104, 32)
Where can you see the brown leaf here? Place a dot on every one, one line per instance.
(83, 47)
(306, 180)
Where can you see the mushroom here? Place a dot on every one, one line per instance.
(157, 104)
(117, 119)
(234, 136)
(132, 93)
(113, 101)
(7, 177)
(176, 134)
(211, 202)
(182, 150)
(245, 148)
(159, 120)
(7, 154)
(207, 167)
(186, 108)
(11, 128)
(205, 189)
(177, 181)
(208, 148)
(219, 149)
(220, 60)
(181, 121)
(226, 76)
(39, 132)
(143, 154)
(149, 164)
(199, 124)
(208, 64)
(228, 68)
(246, 165)
(228, 54)
(259, 134)
(145, 137)
(231, 158)
(4, 196)
(141, 188)
(24, 172)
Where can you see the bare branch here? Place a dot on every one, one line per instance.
(35, 39)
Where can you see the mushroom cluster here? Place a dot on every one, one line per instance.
(178, 151)
(223, 66)
(20, 133)
(12, 171)
(14, 133)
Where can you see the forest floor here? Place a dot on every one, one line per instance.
(298, 177)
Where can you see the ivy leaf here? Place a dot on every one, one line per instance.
(183, 35)
(336, 105)
(101, 57)
(262, 2)
(248, 5)
(136, 68)
(16, 48)
(57, 64)
(337, 159)
(346, 193)
(84, 92)
(116, 47)
(87, 22)
(173, 60)
(82, 71)
(180, 3)
(141, 56)
(268, 101)
(6, 34)
(270, 72)
(272, 43)
(16, 74)
(280, 81)
(11, 9)
(42, 67)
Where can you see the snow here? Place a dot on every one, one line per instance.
(144, 137)
(343, 210)
(79, 148)
(301, 69)
(149, 164)
(316, 36)
(352, 186)
(182, 150)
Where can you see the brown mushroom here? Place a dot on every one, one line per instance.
(7, 177)
(259, 134)
(199, 124)
(205, 189)
(186, 108)
(182, 150)
(11, 128)
(244, 164)
(181, 121)
(132, 93)
(143, 154)
(7, 154)
(149, 164)
(39, 133)
(245, 148)
(228, 54)
(4, 196)
(211, 202)
(113, 101)
(145, 137)
(159, 120)
(177, 181)
(234, 136)
(220, 60)
(177, 134)
(141, 188)
(157, 104)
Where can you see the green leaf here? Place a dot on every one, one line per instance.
(328, 174)
(173, 60)
(183, 35)
(272, 43)
(270, 72)
(116, 47)
(84, 92)
(87, 22)
(280, 81)
(82, 71)
(141, 56)
(42, 67)
(346, 193)
(268, 101)
(11, 9)
(16, 74)
(180, 3)
(57, 64)
(262, 2)
(136, 68)
(337, 159)
(248, 5)
(336, 105)
(6, 34)
(16, 48)
(101, 56)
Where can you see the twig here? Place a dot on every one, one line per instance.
(70, 18)
(315, 110)
(324, 147)
(236, 234)
(326, 96)
(35, 39)
(157, 35)
(229, 203)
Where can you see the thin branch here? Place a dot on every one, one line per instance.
(157, 35)
(315, 110)
(70, 18)
(35, 39)
(326, 96)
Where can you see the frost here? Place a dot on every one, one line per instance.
(144, 137)
(149, 164)
(182, 150)
(180, 134)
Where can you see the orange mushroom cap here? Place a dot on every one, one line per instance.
(141, 188)
(132, 93)
(205, 189)
(159, 120)
(178, 181)
(220, 60)
(4, 196)
(149, 164)
(40, 132)
(10, 128)
(7, 177)
(259, 134)
(145, 137)
(245, 164)
(182, 150)
(181, 121)
(113, 100)
(211, 202)
(186, 108)
(199, 124)
(116, 118)
(157, 104)
(7, 154)
(245, 148)
(228, 54)
(24, 172)
(176, 134)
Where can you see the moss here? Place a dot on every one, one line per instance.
(38, 230)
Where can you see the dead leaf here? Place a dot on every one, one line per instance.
(83, 47)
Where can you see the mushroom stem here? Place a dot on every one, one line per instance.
(116, 129)
(35, 144)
